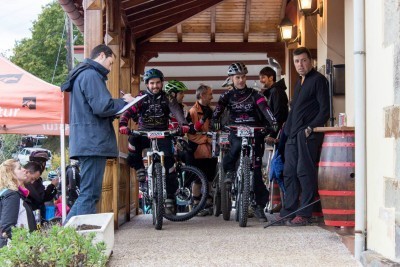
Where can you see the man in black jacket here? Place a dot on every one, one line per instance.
(275, 93)
(309, 109)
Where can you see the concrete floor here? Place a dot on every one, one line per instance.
(211, 241)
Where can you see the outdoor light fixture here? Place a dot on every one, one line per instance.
(305, 7)
(286, 27)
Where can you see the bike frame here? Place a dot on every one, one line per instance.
(151, 159)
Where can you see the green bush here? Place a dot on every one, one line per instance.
(55, 246)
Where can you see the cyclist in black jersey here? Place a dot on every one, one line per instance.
(246, 107)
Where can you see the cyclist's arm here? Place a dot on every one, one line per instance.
(177, 111)
(128, 114)
(219, 109)
(261, 104)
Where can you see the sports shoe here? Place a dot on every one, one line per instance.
(299, 221)
(280, 221)
(141, 175)
(170, 206)
(259, 213)
(228, 178)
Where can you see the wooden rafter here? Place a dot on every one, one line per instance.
(148, 7)
(145, 34)
(213, 19)
(246, 21)
(171, 11)
(179, 32)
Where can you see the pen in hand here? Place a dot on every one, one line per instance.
(122, 92)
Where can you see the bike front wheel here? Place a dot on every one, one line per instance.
(158, 199)
(186, 176)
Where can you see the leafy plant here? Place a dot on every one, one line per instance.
(54, 246)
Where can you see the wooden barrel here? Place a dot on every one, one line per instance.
(336, 178)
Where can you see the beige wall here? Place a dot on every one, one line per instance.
(380, 150)
(331, 43)
(349, 61)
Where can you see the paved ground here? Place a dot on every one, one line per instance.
(211, 241)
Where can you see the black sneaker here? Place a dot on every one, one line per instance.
(141, 175)
(228, 178)
(259, 213)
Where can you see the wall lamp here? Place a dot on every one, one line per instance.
(305, 8)
(286, 28)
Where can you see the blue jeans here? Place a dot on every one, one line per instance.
(92, 172)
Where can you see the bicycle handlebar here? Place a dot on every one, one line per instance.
(146, 133)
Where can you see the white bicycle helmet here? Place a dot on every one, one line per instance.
(237, 68)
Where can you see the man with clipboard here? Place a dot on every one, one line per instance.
(91, 111)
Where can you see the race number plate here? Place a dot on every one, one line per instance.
(223, 139)
(155, 135)
(245, 131)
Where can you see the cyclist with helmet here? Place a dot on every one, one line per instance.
(176, 89)
(152, 114)
(246, 107)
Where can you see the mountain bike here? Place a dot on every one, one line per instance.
(243, 186)
(156, 177)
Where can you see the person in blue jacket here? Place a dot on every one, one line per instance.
(91, 111)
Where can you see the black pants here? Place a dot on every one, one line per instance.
(135, 159)
(300, 173)
(229, 163)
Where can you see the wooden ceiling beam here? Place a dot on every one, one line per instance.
(166, 13)
(149, 6)
(146, 34)
(202, 63)
(179, 32)
(213, 27)
(128, 3)
(246, 21)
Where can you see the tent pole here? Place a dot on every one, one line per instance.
(63, 183)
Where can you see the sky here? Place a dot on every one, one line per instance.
(16, 18)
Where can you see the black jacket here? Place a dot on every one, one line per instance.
(310, 104)
(10, 201)
(278, 101)
(38, 194)
(153, 112)
(245, 106)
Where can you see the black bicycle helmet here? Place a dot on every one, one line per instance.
(152, 73)
(174, 86)
(237, 68)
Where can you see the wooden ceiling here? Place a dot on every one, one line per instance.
(200, 20)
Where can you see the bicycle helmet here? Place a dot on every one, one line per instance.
(237, 68)
(52, 175)
(174, 86)
(152, 73)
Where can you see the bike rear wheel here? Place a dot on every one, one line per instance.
(158, 199)
(187, 175)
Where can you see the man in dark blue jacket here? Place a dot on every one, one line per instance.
(309, 109)
(91, 111)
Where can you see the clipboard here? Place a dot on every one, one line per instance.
(130, 104)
